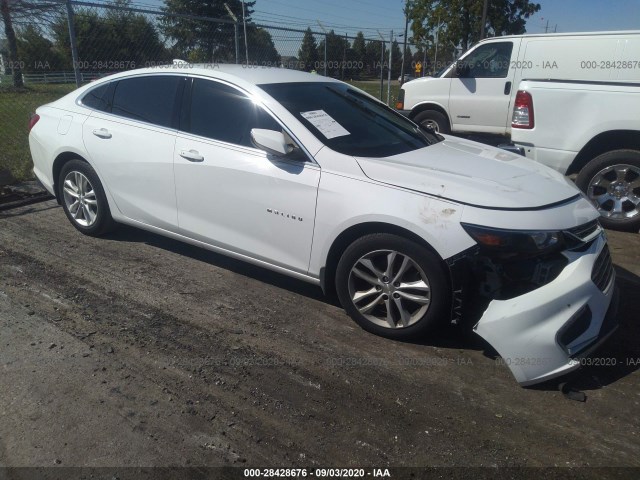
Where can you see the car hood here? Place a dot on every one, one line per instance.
(473, 174)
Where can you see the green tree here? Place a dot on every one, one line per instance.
(133, 37)
(92, 37)
(460, 20)
(203, 39)
(337, 47)
(308, 53)
(12, 43)
(359, 48)
(262, 50)
(37, 52)
(117, 39)
(372, 58)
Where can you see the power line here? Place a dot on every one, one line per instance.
(301, 21)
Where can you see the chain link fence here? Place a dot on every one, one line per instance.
(63, 44)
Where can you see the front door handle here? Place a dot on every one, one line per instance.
(192, 155)
(102, 133)
(507, 88)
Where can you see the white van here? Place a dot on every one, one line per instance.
(476, 93)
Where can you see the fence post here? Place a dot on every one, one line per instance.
(246, 43)
(381, 70)
(390, 63)
(235, 34)
(74, 44)
(325, 54)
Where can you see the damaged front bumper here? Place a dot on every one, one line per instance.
(543, 333)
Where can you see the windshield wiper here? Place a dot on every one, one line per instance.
(377, 115)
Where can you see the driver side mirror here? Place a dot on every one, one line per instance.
(271, 142)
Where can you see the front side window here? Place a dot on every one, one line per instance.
(149, 99)
(221, 112)
(349, 121)
(488, 61)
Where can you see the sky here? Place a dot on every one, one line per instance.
(350, 16)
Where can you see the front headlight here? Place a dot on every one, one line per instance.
(516, 241)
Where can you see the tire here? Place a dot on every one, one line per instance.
(431, 118)
(78, 182)
(612, 183)
(363, 272)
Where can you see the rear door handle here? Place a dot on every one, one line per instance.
(102, 133)
(192, 155)
(507, 88)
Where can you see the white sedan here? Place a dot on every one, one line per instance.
(316, 179)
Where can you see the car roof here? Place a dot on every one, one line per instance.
(247, 75)
(564, 34)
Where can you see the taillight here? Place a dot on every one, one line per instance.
(400, 102)
(522, 110)
(33, 120)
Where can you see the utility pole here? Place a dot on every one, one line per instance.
(235, 29)
(546, 29)
(390, 60)
(404, 45)
(382, 43)
(74, 44)
(246, 45)
(344, 54)
(424, 61)
(325, 46)
(435, 57)
(484, 18)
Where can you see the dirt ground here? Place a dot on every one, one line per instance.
(136, 350)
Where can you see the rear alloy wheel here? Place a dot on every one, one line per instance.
(612, 183)
(392, 287)
(83, 198)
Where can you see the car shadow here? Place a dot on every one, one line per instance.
(129, 234)
(617, 358)
(449, 336)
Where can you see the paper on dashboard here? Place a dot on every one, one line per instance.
(327, 125)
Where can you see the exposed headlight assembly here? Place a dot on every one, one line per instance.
(516, 241)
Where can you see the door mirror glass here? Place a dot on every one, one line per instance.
(271, 141)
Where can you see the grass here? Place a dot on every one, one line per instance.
(372, 87)
(16, 106)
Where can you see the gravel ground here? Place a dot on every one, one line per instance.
(136, 350)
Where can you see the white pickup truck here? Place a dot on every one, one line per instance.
(588, 128)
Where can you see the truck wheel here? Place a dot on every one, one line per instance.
(434, 120)
(612, 183)
(392, 286)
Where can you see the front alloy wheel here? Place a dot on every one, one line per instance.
(392, 286)
(389, 289)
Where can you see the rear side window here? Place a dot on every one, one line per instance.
(221, 112)
(99, 98)
(148, 99)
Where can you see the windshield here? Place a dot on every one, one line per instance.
(440, 72)
(349, 121)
